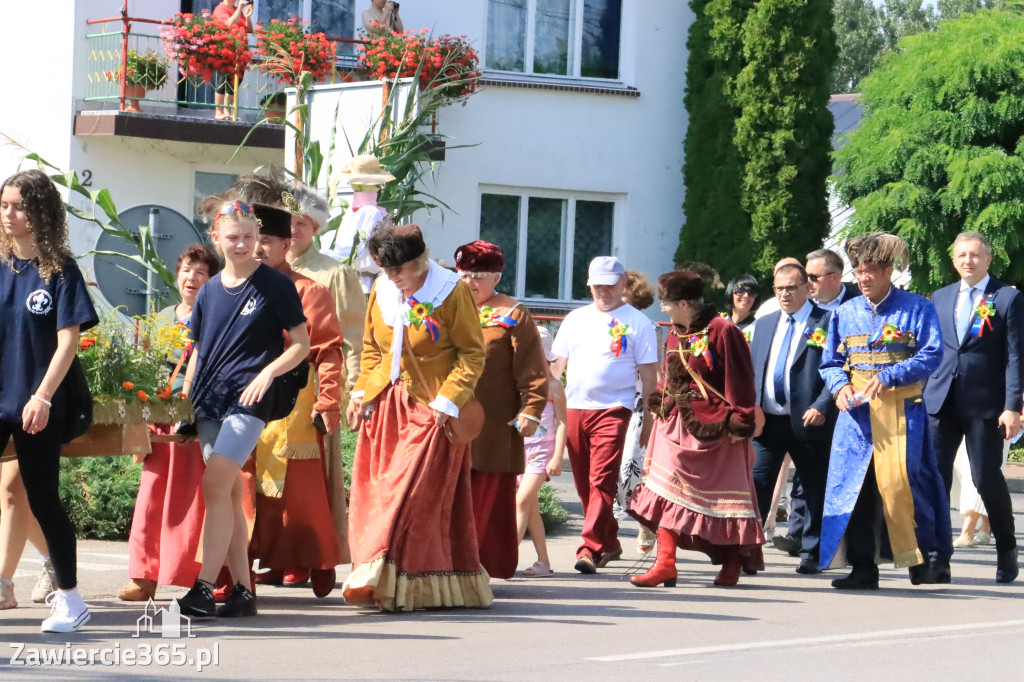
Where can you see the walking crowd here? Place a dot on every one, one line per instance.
(457, 397)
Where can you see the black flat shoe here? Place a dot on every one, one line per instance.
(241, 602)
(808, 567)
(923, 574)
(198, 602)
(859, 579)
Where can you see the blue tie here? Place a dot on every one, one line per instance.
(779, 376)
(966, 312)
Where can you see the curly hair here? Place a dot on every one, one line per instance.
(639, 292)
(46, 218)
(197, 253)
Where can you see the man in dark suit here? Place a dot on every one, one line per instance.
(976, 391)
(799, 411)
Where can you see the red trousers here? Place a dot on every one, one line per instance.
(595, 441)
(494, 510)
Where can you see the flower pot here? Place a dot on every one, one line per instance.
(137, 91)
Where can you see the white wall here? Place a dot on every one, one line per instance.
(629, 148)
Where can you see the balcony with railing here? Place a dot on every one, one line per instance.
(134, 89)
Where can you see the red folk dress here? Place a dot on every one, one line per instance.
(699, 458)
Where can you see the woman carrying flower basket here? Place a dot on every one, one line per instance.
(169, 508)
(44, 304)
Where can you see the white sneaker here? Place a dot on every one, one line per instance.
(46, 583)
(68, 612)
(983, 538)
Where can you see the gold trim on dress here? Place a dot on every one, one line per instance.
(879, 357)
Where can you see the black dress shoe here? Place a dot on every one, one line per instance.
(808, 567)
(943, 576)
(923, 574)
(1006, 566)
(859, 579)
(787, 544)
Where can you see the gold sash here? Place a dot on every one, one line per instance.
(889, 438)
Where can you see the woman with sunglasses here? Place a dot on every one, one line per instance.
(743, 301)
(238, 323)
(44, 305)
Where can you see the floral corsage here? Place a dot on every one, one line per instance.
(816, 338)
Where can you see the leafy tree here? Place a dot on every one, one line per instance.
(784, 131)
(954, 9)
(859, 42)
(939, 149)
(717, 228)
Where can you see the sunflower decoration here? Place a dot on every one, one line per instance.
(817, 338)
(486, 316)
(983, 314)
(420, 315)
(699, 347)
(618, 332)
(888, 334)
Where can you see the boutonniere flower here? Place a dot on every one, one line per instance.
(699, 347)
(420, 314)
(490, 318)
(889, 333)
(816, 338)
(983, 314)
(618, 332)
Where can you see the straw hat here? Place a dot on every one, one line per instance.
(364, 170)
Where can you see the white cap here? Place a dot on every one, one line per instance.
(605, 270)
(545, 340)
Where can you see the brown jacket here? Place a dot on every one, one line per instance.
(451, 365)
(515, 380)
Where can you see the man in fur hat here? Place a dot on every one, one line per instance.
(881, 348)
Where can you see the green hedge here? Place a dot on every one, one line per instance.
(99, 495)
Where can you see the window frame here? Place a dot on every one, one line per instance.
(575, 58)
(568, 237)
(307, 16)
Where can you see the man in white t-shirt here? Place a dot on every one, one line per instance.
(605, 345)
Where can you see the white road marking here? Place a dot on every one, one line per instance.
(809, 641)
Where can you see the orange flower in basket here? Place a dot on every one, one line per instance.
(87, 342)
(143, 396)
(165, 392)
(127, 385)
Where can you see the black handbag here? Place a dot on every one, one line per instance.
(285, 391)
(78, 399)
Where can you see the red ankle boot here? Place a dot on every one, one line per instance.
(664, 569)
(730, 573)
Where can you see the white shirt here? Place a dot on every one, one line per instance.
(799, 326)
(961, 297)
(595, 378)
(835, 302)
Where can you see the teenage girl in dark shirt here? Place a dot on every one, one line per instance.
(44, 305)
(238, 324)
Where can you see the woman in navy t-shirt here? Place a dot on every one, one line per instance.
(44, 306)
(238, 324)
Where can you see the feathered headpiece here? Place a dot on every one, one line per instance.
(878, 247)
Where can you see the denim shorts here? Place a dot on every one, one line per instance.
(235, 437)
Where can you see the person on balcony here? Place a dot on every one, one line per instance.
(381, 18)
(229, 13)
(44, 304)
(169, 508)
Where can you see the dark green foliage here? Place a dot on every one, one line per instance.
(717, 228)
(99, 495)
(939, 148)
(552, 512)
(859, 42)
(784, 130)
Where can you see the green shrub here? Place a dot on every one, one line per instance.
(99, 495)
(552, 512)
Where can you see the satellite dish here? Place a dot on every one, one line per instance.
(125, 284)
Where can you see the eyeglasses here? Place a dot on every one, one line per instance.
(815, 278)
(789, 288)
(744, 292)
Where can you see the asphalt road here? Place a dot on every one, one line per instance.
(777, 625)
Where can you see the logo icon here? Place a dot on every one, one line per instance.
(171, 621)
(250, 306)
(39, 302)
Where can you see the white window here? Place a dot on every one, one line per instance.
(548, 241)
(578, 38)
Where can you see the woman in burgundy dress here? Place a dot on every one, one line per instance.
(698, 493)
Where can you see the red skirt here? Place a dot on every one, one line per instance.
(494, 510)
(703, 491)
(411, 529)
(296, 530)
(169, 512)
